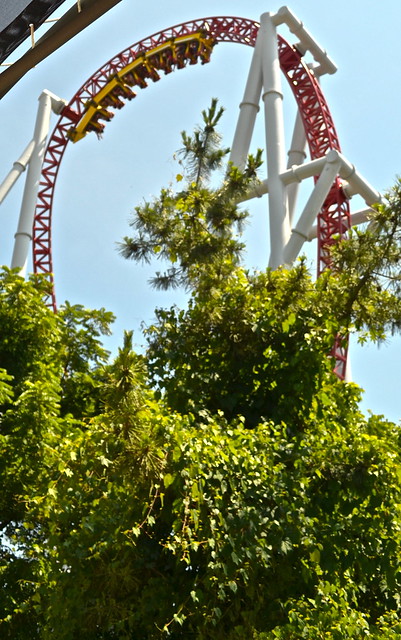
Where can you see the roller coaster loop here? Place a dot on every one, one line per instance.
(118, 81)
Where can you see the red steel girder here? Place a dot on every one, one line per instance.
(334, 218)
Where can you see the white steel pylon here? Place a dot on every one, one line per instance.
(33, 158)
(264, 85)
(336, 180)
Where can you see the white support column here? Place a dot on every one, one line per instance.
(249, 108)
(275, 144)
(296, 156)
(358, 217)
(307, 42)
(314, 204)
(294, 174)
(23, 236)
(348, 369)
(18, 167)
(357, 184)
(308, 169)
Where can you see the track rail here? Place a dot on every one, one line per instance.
(185, 44)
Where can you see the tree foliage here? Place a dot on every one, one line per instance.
(225, 485)
(194, 229)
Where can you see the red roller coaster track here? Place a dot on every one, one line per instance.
(175, 48)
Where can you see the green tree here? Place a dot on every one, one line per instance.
(195, 229)
(147, 523)
(223, 486)
(43, 362)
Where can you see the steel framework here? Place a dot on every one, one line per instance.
(118, 80)
(174, 48)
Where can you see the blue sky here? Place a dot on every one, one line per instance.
(100, 182)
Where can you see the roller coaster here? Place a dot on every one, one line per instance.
(326, 214)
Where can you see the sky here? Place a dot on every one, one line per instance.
(101, 181)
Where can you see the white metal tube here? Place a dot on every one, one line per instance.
(361, 216)
(353, 184)
(297, 153)
(358, 217)
(290, 176)
(275, 144)
(23, 235)
(348, 369)
(314, 204)
(348, 190)
(307, 41)
(309, 169)
(296, 156)
(249, 108)
(357, 184)
(18, 167)
(257, 191)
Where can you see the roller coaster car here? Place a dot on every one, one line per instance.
(103, 114)
(205, 51)
(118, 88)
(152, 72)
(133, 78)
(166, 61)
(95, 126)
(112, 100)
(153, 62)
(180, 55)
(193, 52)
(123, 91)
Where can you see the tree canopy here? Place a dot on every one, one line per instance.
(225, 484)
(197, 228)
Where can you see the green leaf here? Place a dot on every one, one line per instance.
(315, 555)
(168, 479)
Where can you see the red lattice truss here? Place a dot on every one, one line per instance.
(334, 217)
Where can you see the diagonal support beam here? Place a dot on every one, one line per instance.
(249, 108)
(315, 202)
(23, 236)
(275, 143)
(296, 156)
